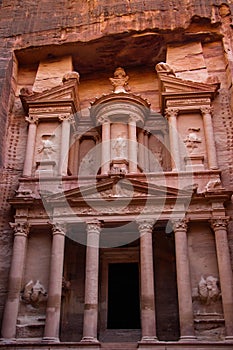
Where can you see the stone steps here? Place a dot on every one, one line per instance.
(119, 346)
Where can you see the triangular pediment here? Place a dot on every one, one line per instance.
(112, 188)
(66, 92)
(172, 84)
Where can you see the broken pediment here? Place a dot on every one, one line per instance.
(178, 90)
(117, 187)
(61, 94)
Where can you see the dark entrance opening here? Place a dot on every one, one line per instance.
(166, 299)
(123, 296)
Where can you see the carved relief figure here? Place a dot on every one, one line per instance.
(47, 147)
(209, 290)
(120, 147)
(34, 293)
(88, 165)
(192, 140)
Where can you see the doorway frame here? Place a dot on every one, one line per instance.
(113, 256)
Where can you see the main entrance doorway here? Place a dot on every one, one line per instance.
(123, 296)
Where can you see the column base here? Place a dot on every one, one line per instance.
(229, 338)
(7, 340)
(87, 339)
(50, 340)
(148, 339)
(187, 338)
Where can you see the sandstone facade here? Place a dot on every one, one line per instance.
(116, 175)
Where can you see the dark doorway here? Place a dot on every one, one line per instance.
(123, 296)
(166, 299)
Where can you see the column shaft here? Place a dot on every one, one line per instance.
(209, 137)
(133, 167)
(141, 158)
(147, 282)
(174, 139)
(65, 144)
(105, 150)
(51, 332)
(15, 280)
(91, 283)
(225, 272)
(30, 149)
(146, 151)
(183, 281)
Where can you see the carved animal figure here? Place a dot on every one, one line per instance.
(34, 293)
(208, 289)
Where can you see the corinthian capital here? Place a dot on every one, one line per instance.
(206, 110)
(171, 112)
(20, 228)
(93, 226)
(66, 117)
(219, 223)
(179, 224)
(145, 225)
(31, 119)
(59, 228)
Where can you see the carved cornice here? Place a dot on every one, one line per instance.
(20, 228)
(219, 223)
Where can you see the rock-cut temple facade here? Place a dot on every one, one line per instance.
(116, 175)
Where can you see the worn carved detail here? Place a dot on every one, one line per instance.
(192, 140)
(206, 110)
(120, 80)
(94, 226)
(171, 112)
(220, 223)
(68, 117)
(20, 228)
(65, 286)
(59, 228)
(47, 148)
(208, 290)
(71, 75)
(31, 119)
(145, 225)
(164, 68)
(179, 225)
(34, 293)
(213, 185)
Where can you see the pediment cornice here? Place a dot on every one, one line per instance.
(65, 94)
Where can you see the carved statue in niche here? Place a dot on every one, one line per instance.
(34, 293)
(208, 290)
(88, 165)
(120, 147)
(120, 81)
(192, 139)
(47, 148)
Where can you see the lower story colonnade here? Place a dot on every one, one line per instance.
(149, 257)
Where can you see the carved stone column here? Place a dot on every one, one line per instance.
(141, 158)
(219, 226)
(30, 149)
(106, 147)
(132, 147)
(21, 231)
(91, 282)
(51, 331)
(147, 281)
(146, 151)
(183, 281)
(209, 137)
(171, 115)
(65, 143)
